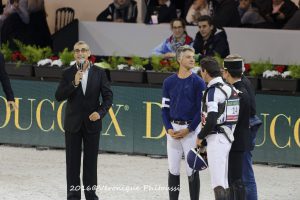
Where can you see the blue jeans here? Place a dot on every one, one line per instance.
(248, 177)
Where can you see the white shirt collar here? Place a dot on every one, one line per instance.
(215, 80)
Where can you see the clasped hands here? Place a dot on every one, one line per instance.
(178, 134)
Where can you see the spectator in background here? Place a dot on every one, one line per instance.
(226, 13)
(36, 32)
(38, 27)
(196, 10)
(120, 11)
(294, 22)
(210, 40)
(178, 38)
(249, 14)
(18, 7)
(282, 11)
(162, 11)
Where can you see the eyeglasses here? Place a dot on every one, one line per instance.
(83, 50)
(177, 27)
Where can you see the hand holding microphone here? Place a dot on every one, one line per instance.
(79, 73)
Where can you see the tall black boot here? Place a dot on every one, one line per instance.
(174, 186)
(194, 186)
(220, 193)
(239, 191)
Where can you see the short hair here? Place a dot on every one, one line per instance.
(211, 65)
(179, 20)
(81, 43)
(206, 18)
(183, 49)
(234, 64)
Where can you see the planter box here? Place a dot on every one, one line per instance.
(48, 71)
(273, 84)
(127, 76)
(157, 77)
(255, 81)
(21, 70)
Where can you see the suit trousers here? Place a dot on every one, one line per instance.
(235, 166)
(74, 143)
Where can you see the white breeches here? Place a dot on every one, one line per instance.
(218, 148)
(176, 148)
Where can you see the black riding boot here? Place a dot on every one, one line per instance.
(174, 186)
(194, 186)
(220, 193)
(238, 188)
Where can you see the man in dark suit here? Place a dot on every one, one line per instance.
(82, 85)
(6, 84)
(233, 69)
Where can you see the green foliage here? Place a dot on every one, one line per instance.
(66, 56)
(295, 71)
(219, 59)
(138, 63)
(258, 68)
(103, 64)
(6, 51)
(33, 53)
(160, 64)
(114, 61)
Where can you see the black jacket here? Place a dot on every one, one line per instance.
(80, 106)
(216, 43)
(128, 14)
(242, 132)
(165, 14)
(226, 13)
(5, 80)
(249, 87)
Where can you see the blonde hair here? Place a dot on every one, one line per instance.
(81, 43)
(183, 49)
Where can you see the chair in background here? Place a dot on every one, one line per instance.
(63, 16)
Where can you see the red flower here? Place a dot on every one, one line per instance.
(54, 58)
(165, 63)
(247, 67)
(280, 68)
(17, 56)
(92, 59)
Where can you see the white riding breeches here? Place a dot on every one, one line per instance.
(218, 148)
(176, 148)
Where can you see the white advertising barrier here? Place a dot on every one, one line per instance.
(125, 39)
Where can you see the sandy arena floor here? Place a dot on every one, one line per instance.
(30, 174)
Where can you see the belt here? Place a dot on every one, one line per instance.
(179, 122)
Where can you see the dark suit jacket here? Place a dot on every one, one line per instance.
(80, 106)
(251, 92)
(5, 80)
(242, 133)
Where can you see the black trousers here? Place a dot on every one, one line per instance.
(235, 166)
(73, 162)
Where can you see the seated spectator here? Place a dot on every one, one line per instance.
(178, 38)
(294, 22)
(196, 10)
(210, 41)
(19, 7)
(35, 33)
(38, 27)
(164, 11)
(226, 13)
(120, 11)
(249, 14)
(282, 11)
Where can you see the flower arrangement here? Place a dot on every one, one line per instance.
(258, 68)
(161, 64)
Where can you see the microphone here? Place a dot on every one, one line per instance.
(81, 62)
